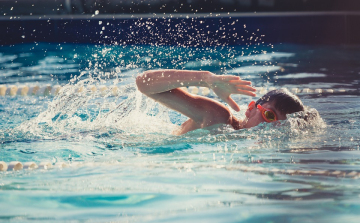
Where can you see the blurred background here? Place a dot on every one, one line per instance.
(59, 7)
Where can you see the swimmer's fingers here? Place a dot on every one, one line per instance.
(244, 92)
(240, 82)
(245, 88)
(241, 89)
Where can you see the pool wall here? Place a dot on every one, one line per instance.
(185, 29)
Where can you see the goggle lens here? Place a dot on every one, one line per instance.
(267, 114)
(270, 116)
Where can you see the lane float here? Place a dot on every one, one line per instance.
(18, 166)
(45, 165)
(262, 90)
(48, 90)
(3, 166)
(15, 165)
(329, 173)
(103, 90)
(30, 165)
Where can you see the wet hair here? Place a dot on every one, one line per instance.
(283, 101)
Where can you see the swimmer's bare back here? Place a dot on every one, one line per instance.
(164, 87)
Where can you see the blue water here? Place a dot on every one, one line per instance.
(124, 165)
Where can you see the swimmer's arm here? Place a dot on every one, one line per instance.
(157, 81)
(154, 82)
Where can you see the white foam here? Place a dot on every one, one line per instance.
(300, 75)
(265, 57)
(201, 63)
(254, 69)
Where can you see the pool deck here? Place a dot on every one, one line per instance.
(200, 29)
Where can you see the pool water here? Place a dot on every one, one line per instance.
(124, 165)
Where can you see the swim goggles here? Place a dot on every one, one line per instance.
(268, 114)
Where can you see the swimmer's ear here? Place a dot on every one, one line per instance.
(232, 104)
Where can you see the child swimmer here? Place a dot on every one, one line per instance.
(164, 87)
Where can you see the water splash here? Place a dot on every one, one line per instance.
(129, 119)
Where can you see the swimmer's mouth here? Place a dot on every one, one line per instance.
(247, 113)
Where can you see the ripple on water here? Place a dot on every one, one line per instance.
(125, 164)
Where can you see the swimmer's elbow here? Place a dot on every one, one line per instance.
(140, 83)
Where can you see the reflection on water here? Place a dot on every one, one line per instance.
(126, 166)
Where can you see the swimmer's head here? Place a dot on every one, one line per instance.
(283, 101)
(279, 102)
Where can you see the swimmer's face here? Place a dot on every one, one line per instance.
(254, 116)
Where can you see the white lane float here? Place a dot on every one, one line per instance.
(3, 166)
(15, 165)
(30, 165)
(47, 90)
(45, 165)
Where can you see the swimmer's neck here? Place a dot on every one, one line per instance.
(237, 123)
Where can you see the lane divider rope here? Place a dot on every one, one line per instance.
(17, 166)
(48, 90)
(330, 173)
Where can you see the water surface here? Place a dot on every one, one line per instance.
(124, 165)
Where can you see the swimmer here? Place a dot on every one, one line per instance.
(164, 86)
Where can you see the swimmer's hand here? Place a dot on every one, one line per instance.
(225, 85)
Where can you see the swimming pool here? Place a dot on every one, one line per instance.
(122, 163)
